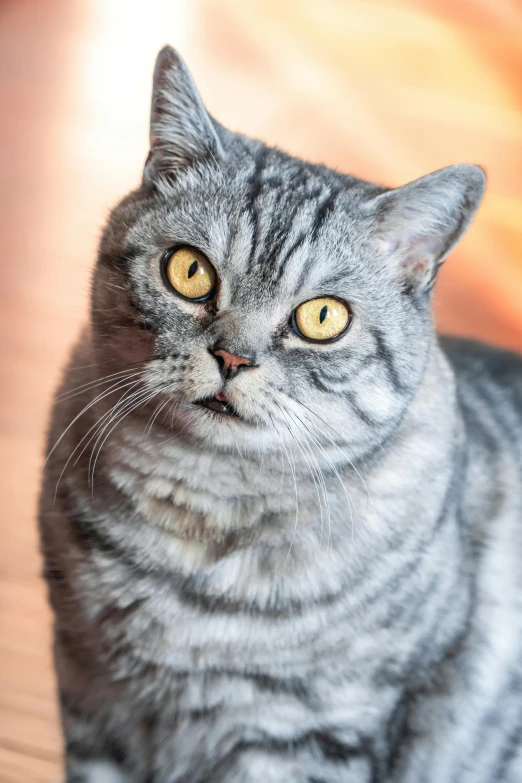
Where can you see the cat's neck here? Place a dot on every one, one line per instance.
(176, 480)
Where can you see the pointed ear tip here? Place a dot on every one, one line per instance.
(168, 57)
(477, 181)
(473, 173)
(481, 175)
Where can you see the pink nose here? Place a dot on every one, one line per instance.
(230, 363)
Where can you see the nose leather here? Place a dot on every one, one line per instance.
(230, 363)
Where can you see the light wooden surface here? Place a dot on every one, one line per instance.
(387, 90)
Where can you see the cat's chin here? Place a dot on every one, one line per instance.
(225, 430)
(214, 413)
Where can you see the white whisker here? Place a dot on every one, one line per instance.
(146, 396)
(351, 505)
(292, 468)
(76, 390)
(314, 472)
(341, 452)
(94, 427)
(101, 396)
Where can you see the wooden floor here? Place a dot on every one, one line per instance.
(387, 90)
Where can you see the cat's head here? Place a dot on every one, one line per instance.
(260, 297)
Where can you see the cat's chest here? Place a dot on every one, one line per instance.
(165, 627)
(205, 582)
(201, 496)
(261, 577)
(186, 599)
(249, 533)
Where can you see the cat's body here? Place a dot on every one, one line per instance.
(327, 590)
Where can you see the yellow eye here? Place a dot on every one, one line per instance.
(321, 319)
(190, 274)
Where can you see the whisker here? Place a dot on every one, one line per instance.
(292, 468)
(74, 392)
(312, 469)
(173, 410)
(146, 396)
(282, 465)
(351, 504)
(108, 415)
(345, 456)
(98, 398)
(159, 407)
(94, 426)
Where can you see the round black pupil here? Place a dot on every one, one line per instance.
(193, 268)
(323, 314)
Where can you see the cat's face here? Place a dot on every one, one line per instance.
(268, 303)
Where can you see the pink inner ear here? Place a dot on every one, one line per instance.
(390, 243)
(414, 254)
(418, 267)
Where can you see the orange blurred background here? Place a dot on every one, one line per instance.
(385, 89)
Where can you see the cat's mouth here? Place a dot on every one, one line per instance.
(218, 404)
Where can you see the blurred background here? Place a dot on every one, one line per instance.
(386, 89)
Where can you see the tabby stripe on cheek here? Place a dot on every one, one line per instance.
(318, 382)
(359, 412)
(348, 369)
(387, 356)
(131, 253)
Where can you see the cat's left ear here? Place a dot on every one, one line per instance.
(416, 226)
(181, 130)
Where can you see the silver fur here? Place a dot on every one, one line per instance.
(328, 589)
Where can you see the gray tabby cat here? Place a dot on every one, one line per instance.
(282, 521)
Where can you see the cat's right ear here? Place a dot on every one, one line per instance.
(181, 130)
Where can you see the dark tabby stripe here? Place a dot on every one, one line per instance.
(84, 751)
(324, 742)
(388, 358)
(510, 750)
(189, 590)
(256, 185)
(323, 212)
